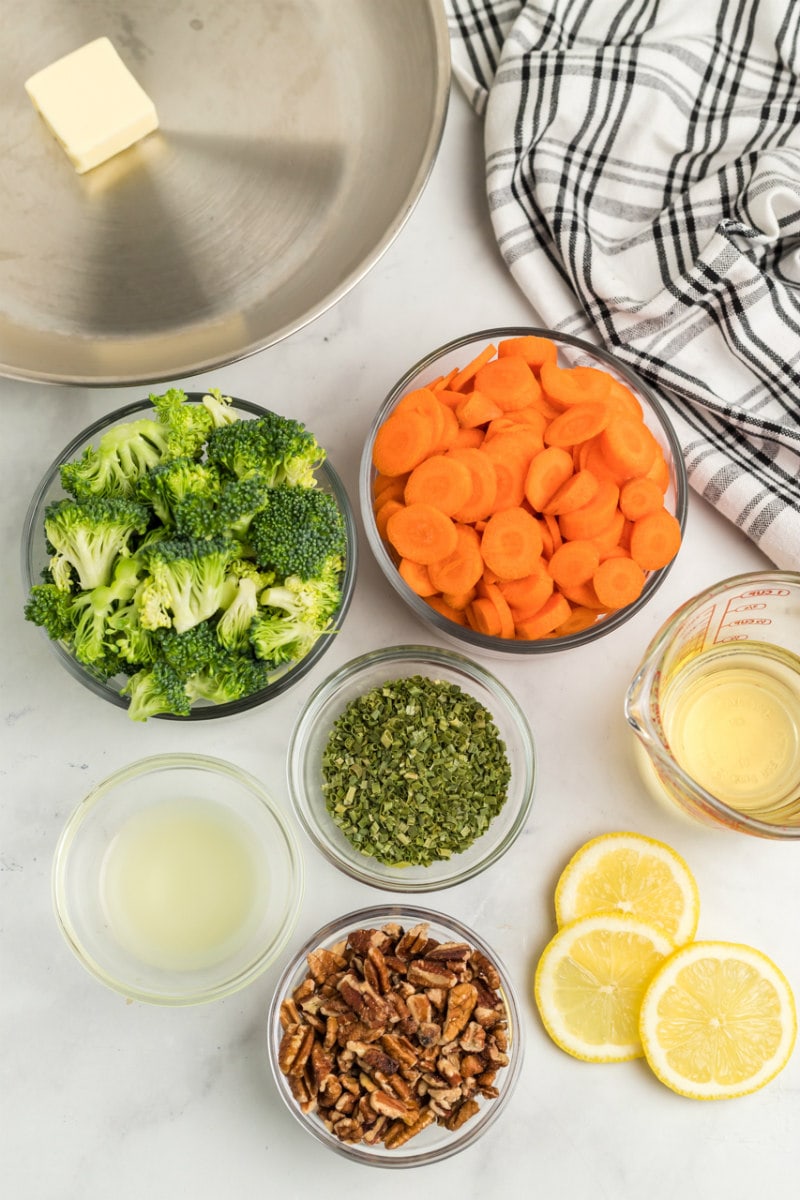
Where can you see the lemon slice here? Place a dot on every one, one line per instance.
(590, 981)
(633, 874)
(717, 1020)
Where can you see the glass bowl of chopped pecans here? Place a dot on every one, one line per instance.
(412, 768)
(395, 1036)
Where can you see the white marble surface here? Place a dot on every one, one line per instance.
(99, 1097)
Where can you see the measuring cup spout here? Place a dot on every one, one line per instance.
(636, 705)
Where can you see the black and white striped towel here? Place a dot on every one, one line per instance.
(643, 177)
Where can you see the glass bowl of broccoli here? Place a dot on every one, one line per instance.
(189, 555)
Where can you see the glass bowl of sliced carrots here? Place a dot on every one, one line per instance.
(523, 491)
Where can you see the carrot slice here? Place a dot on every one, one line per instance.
(554, 529)
(579, 619)
(383, 513)
(578, 490)
(583, 595)
(440, 480)
(608, 537)
(468, 372)
(401, 443)
(417, 577)
(618, 582)
(554, 612)
(459, 600)
(421, 532)
(490, 591)
(483, 477)
(527, 595)
(655, 539)
(511, 543)
(462, 568)
(394, 490)
(574, 385)
(468, 437)
(440, 605)
(660, 470)
(622, 400)
(574, 562)
(628, 447)
(578, 423)
(510, 382)
(545, 475)
(639, 496)
(533, 349)
(449, 430)
(591, 518)
(442, 384)
(484, 617)
(475, 408)
(427, 404)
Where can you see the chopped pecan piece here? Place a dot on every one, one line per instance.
(428, 973)
(393, 1107)
(399, 1133)
(473, 1039)
(322, 963)
(295, 1048)
(364, 1000)
(461, 1001)
(485, 970)
(413, 943)
(462, 1113)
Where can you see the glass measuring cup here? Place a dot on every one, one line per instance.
(715, 706)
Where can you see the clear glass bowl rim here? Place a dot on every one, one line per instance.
(408, 915)
(470, 636)
(96, 796)
(31, 531)
(316, 704)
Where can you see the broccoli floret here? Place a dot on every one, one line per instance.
(188, 425)
(123, 454)
(187, 578)
(157, 689)
(298, 531)
(172, 482)
(311, 600)
(50, 607)
(190, 652)
(88, 537)
(224, 511)
(279, 448)
(233, 676)
(220, 407)
(96, 615)
(277, 638)
(240, 603)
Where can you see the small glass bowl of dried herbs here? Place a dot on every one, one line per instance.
(412, 768)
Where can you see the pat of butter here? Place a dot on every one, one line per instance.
(92, 104)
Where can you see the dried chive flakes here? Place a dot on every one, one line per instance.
(414, 771)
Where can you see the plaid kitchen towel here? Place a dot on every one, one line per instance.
(643, 178)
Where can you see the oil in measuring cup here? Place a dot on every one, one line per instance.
(716, 705)
(731, 718)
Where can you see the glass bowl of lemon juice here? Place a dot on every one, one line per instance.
(177, 880)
